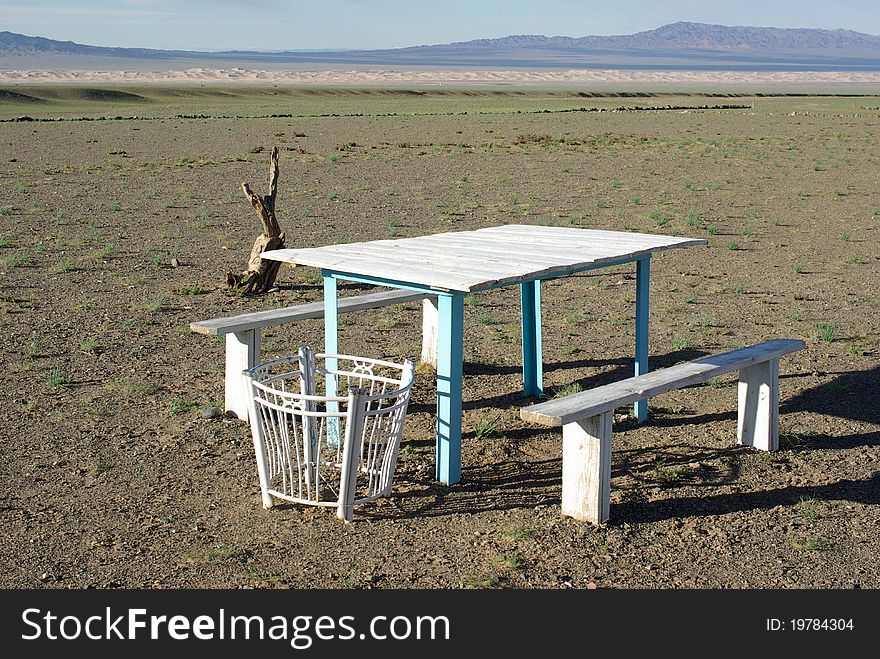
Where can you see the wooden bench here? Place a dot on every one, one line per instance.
(586, 417)
(243, 334)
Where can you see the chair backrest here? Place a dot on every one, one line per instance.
(323, 450)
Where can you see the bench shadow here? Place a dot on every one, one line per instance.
(866, 492)
(514, 484)
(850, 395)
(511, 485)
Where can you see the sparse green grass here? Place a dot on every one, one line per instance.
(33, 350)
(519, 533)
(387, 322)
(705, 320)
(5, 241)
(189, 289)
(567, 390)
(733, 245)
(792, 438)
(132, 387)
(659, 218)
(693, 218)
(58, 379)
(670, 475)
(798, 268)
(486, 426)
(212, 555)
(712, 229)
(6, 210)
(89, 345)
(66, 264)
(738, 288)
(681, 342)
(104, 253)
(181, 405)
(809, 508)
(482, 581)
(809, 543)
(488, 319)
(574, 317)
(510, 562)
(150, 305)
(17, 260)
(857, 260)
(827, 331)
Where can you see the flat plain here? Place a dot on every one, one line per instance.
(120, 213)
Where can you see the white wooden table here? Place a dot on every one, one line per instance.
(451, 265)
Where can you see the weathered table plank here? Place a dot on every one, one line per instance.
(471, 260)
(587, 403)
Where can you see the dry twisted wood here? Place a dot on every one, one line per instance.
(260, 275)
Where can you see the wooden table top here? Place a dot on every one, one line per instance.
(485, 258)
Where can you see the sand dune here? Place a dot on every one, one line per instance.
(453, 77)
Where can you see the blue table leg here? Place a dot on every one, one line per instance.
(450, 354)
(533, 361)
(331, 347)
(643, 284)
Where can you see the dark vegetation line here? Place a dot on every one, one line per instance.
(634, 108)
(110, 95)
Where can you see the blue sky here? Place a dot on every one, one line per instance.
(302, 24)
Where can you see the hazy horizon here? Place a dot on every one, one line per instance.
(273, 25)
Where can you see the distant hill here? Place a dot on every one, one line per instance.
(675, 46)
(682, 35)
(20, 45)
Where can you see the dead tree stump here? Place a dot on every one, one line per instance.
(260, 275)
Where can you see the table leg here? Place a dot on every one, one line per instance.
(533, 361)
(643, 284)
(450, 356)
(331, 347)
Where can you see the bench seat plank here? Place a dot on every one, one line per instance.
(584, 404)
(258, 319)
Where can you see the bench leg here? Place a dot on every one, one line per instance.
(586, 468)
(758, 422)
(430, 318)
(242, 352)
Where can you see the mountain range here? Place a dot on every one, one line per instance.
(677, 46)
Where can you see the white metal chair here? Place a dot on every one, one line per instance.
(327, 450)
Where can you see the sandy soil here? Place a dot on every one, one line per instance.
(683, 79)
